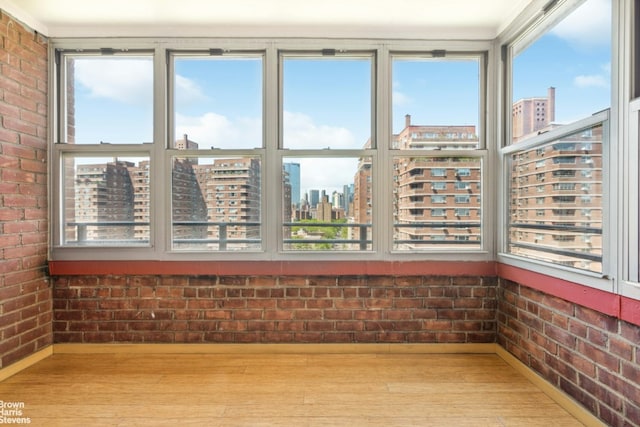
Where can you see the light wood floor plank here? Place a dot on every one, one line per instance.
(280, 390)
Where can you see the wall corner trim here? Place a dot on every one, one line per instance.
(558, 396)
(25, 363)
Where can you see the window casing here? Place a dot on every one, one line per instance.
(564, 148)
(185, 136)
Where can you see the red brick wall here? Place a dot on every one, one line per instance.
(259, 309)
(25, 296)
(593, 357)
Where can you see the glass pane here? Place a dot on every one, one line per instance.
(106, 201)
(216, 203)
(334, 212)
(556, 201)
(109, 99)
(565, 75)
(327, 103)
(218, 102)
(437, 203)
(442, 96)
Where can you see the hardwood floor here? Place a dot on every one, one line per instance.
(279, 390)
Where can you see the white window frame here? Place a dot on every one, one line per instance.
(160, 153)
(532, 23)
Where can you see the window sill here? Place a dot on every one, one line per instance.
(280, 268)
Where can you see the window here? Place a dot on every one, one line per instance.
(267, 150)
(327, 101)
(565, 71)
(210, 109)
(216, 200)
(336, 217)
(567, 137)
(436, 101)
(202, 222)
(327, 108)
(108, 99)
(559, 215)
(105, 201)
(413, 231)
(102, 139)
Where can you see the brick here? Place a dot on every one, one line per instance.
(600, 357)
(579, 362)
(632, 373)
(612, 400)
(541, 340)
(610, 417)
(450, 337)
(594, 318)
(579, 394)
(278, 315)
(561, 336)
(319, 303)
(632, 413)
(620, 348)
(288, 304)
(293, 326)
(308, 315)
(398, 315)
(349, 304)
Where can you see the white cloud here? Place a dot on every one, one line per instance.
(300, 132)
(591, 81)
(187, 91)
(215, 130)
(125, 80)
(401, 99)
(588, 26)
(595, 80)
(329, 174)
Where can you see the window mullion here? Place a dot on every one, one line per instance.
(271, 184)
(160, 174)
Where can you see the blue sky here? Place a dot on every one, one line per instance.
(327, 103)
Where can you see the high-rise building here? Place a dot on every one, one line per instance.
(104, 207)
(293, 173)
(532, 115)
(314, 198)
(413, 137)
(231, 190)
(139, 175)
(556, 193)
(437, 200)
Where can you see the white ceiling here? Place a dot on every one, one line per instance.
(442, 19)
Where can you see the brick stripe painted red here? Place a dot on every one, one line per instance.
(623, 308)
(280, 268)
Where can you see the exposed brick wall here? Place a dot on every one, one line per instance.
(239, 309)
(593, 357)
(25, 295)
